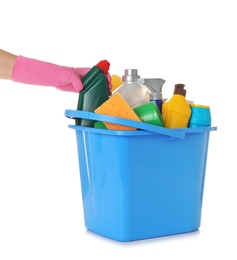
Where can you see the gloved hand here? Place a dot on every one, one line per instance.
(35, 72)
(82, 71)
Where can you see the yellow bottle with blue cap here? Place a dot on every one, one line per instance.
(176, 111)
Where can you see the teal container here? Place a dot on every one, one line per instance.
(143, 183)
(200, 116)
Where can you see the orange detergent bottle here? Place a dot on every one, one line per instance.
(176, 110)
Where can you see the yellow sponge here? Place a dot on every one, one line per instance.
(117, 106)
(116, 81)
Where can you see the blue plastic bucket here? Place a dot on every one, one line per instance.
(140, 184)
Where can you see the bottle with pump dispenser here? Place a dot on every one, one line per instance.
(95, 91)
(155, 88)
(134, 93)
(176, 110)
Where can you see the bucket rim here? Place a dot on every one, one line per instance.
(138, 132)
(142, 128)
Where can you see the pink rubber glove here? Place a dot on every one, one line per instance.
(35, 72)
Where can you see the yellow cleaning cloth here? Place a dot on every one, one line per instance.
(117, 106)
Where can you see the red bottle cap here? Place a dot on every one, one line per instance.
(104, 66)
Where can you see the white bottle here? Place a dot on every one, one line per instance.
(135, 94)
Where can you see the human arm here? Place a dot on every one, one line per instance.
(7, 61)
(36, 72)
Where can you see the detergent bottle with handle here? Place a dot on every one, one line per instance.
(95, 91)
(176, 110)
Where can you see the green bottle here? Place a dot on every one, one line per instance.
(95, 91)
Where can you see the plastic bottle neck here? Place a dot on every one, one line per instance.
(179, 90)
(130, 76)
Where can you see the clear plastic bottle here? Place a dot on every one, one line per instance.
(176, 110)
(134, 93)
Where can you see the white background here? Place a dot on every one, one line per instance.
(190, 42)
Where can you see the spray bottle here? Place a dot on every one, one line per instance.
(134, 93)
(176, 110)
(155, 87)
(95, 91)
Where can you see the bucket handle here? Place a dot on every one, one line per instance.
(126, 122)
